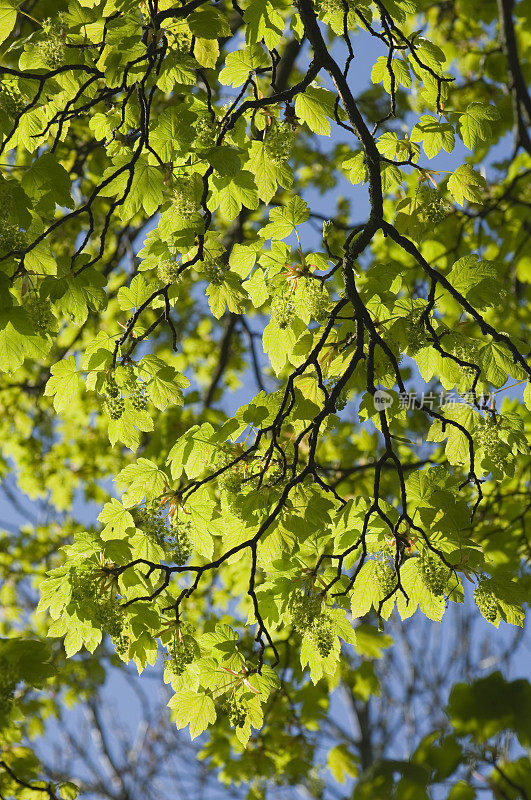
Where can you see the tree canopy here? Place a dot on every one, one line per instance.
(264, 314)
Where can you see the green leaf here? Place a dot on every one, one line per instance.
(478, 281)
(267, 174)
(8, 17)
(381, 71)
(126, 429)
(205, 523)
(165, 388)
(48, 183)
(457, 446)
(466, 184)
(419, 596)
(144, 546)
(279, 343)
(313, 107)
(41, 260)
(491, 705)
(30, 657)
(194, 709)
(18, 339)
(135, 294)
(63, 385)
(434, 135)
(75, 294)
(256, 288)
(391, 146)
(172, 131)
(116, 518)
(399, 9)
(474, 124)
(284, 219)
(342, 763)
(241, 63)
(462, 791)
(143, 479)
(364, 595)
(73, 642)
(428, 52)
(370, 642)
(227, 294)
(243, 257)
(206, 51)
(146, 190)
(225, 160)
(263, 21)
(98, 352)
(229, 194)
(496, 363)
(68, 790)
(193, 451)
(365, 683)
(208, 23)
(356, 168)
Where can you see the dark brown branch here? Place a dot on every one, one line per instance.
(517, 85)
(48, 789)
(224, 355)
